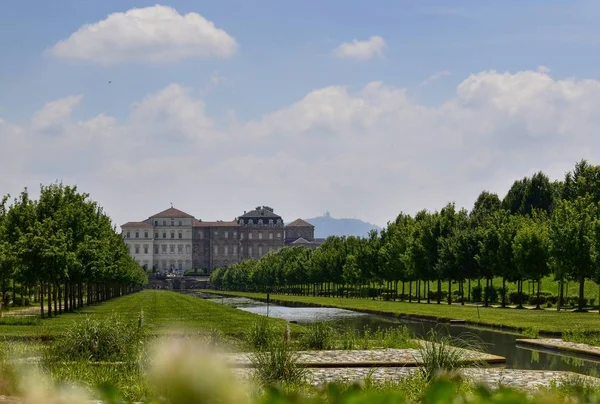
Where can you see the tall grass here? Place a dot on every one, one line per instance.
(318, 335)
(580, 336)
(110, 338)
(261, 333)
(278, 364)
(444, 354)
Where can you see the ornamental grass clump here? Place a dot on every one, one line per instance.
(444, 354)
(278, 364)
(261, 333)
(109, 338)
(318, 335)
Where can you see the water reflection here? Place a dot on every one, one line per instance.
(495, 342)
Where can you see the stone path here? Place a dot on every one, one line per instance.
(493, 377)
(560, 345)
(363, 358)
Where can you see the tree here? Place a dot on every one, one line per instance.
(530, 251)
(570, 241)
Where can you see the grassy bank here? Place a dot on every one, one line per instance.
(163, 311)
(542, 320)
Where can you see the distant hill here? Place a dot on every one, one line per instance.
(326, 226)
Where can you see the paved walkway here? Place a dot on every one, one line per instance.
(560, 345)
(493, 377)
(363, 358)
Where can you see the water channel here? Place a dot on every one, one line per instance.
(495, 342)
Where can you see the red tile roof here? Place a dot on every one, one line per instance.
(136, 224)
(172, 213)
(299, 223)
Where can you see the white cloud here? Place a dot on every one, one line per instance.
(366, 153)
(435, 76)
(156, 34)
(361, 50)
(55, 113)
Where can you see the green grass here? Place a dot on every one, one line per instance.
(542, 320)
(163, 311)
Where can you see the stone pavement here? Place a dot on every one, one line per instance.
(493, 377)
(363, 358)
(560, 345)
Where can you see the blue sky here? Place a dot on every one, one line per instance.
(284, 53)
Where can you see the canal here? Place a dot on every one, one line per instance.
(494, 341)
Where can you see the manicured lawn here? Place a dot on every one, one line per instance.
(543, 320)
(163, 311)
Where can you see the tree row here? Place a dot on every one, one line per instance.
(539, 228)
(62, 252)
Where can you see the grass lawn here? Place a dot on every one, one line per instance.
(542, 320)
(163, 311)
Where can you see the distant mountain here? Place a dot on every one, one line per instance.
(326, 226)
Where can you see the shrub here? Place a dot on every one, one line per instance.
(18, 301)
(318, 335)
(99, 339)
(29, 320)
(348, 339)
(490, 294)
(476, 294)
(518, 298)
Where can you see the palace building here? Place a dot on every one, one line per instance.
(175, 241)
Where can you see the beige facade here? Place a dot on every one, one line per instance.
(175, 241)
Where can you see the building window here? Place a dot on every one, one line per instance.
(180, 235)
(156, 249)
(172, 234)
(260, 235)
(270, 236)
(137, 234)
(164, 235)
(241, 236)
(216, 233)
(180, 264)
(241, 249)
(216, 249)
(137, 249)
(128, 235)
(172, 248)
(234, 250)
(164, 222)
(156, 222)
(164, 265)
(278, 235)
(156, 235)
(145, 234)
(172, 222)
(187, 249)
(249, 251)
(164, 248)
(270, 222)
(145, 248)
(201, 234)
(260, 221)
(226, 234)
(260, 251)
(249, 236)
(235, 234)
(128, 248)
(180, 223)
(180, 248)
(226, 250)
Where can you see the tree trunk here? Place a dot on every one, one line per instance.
(503, 292)
(410, 291)
(439, 291)
(539, 282)
(449, 291)
(402, 296)
(469, 289)
(581, 290)
(42, 300)
(49, 299)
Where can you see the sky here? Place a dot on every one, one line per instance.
(365, 109)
